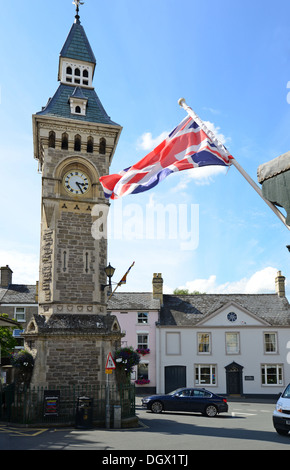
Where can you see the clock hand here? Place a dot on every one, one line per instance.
(80, 186)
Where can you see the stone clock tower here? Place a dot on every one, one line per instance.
(74, 143)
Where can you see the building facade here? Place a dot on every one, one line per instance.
(18, 301)
(234, 344)
(138, 314)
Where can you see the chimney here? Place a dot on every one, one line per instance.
(6, 276)
(157, 285)
(280, 284)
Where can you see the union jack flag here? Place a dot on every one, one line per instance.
(187, 146)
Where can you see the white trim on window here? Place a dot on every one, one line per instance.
(205, 374)
(274, 377)
(20, 316)
(204, 343)
(271, 343)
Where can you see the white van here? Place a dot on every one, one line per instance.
(281, 415)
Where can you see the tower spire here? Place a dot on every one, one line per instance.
(77, 3)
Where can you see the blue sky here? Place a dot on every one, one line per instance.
(229, 60)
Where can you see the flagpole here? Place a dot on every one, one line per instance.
(113, 291)
(194, 116)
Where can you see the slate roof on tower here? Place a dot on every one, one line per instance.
(58, 106)
(77, 45)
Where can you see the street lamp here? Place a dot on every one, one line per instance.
(109, 270)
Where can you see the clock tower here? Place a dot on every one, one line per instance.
(74, 143)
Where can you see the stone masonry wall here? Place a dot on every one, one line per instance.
(72, 361)
(76, 258)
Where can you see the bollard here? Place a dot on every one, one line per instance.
(117, 416)
(84, 413)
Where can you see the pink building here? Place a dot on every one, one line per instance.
(138, 314)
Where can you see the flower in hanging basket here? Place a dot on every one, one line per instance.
(142, 381)
(22, 360)
(143, 351)
(126, 358)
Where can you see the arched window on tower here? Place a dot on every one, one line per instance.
(102, 146)
(51, 140)
(90, 145)
(77, 143)
(64, 141)
(85, 77)
(68, 74)
(77, 74)
(77, 109)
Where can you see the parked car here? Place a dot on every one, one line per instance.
(281, 415)
(187, 399)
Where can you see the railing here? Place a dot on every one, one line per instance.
(59, 406)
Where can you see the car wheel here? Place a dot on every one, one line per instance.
(282, 432)
(210, 411)
(156, 407)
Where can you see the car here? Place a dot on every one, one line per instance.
(187, 399)
(281, 414)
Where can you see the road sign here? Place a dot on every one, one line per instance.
(110, 364)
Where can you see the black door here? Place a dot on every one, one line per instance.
(175, 377)
(234, 376)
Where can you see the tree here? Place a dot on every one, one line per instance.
(7, 341)
(186, 292)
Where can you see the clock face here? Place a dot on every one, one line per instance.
(232, 316)
(76, 182)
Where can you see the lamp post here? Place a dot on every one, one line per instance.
(109, 270)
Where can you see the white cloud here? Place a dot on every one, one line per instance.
(262, 281)
(200, 176)
(148, 143)
(216, 130)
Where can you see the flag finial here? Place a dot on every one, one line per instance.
(77, 3)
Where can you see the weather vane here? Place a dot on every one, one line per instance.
(77, 3)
